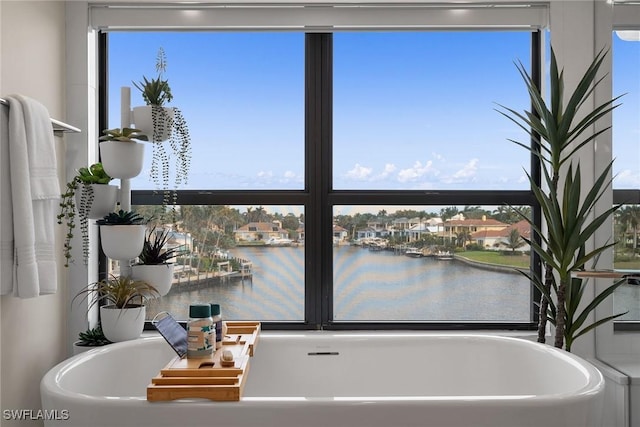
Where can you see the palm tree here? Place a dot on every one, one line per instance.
(261, 214)
(514, 240)
(462, 237)
(449, 212)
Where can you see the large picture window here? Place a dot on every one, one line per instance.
(322, 161)
(626, 169)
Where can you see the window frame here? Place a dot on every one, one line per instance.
(319, 198)
(626, 17)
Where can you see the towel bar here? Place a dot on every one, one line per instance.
(58, 126)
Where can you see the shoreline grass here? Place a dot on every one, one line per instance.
(518, 259)
(521, 260)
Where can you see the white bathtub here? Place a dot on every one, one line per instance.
(328, 379)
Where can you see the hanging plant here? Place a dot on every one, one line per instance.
(167, 124)
(82, 185)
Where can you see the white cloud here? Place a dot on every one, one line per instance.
(627, 179)
(416, 171)
(265, 174)
(389, 169)
(359, 172)
(466, 174)
(469, 170)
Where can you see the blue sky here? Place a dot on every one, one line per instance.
(411, 110)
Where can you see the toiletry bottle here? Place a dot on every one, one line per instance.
(217, 320)
(200, 331)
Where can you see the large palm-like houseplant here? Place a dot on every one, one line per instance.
(558, 132)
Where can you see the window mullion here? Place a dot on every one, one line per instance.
(318, 173)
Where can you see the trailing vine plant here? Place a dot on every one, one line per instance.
(94, 174)
(156, 92)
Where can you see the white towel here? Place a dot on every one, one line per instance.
(6, 211)
(35, 194)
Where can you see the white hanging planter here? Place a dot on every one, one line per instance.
(104, 200)
(159, 276)
(122, 160)
(122, 242)
(158, 130)
(122, 324)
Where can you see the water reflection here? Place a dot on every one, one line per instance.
(368, 286)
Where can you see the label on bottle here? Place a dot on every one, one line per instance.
(200, 335)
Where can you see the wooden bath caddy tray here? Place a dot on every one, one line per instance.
(205, 377)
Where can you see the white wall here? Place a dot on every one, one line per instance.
(33, 331)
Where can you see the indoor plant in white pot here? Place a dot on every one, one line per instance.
(123, 314)
(122, 234)
(87, 196)
(155, 264)
(162, 124)
(122, 157)
(155, 118)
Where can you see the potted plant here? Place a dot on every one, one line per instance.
(155, 264)
(92, 337)
(163, 123)
(154, 118)
(90, 194)
(122, 157)
(123, 314)
(122, 234)
(559, 131)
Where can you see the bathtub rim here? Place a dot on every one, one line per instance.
(595, 380)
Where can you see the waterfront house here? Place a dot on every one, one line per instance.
(455, 227)
(340, 234)
(259, 232)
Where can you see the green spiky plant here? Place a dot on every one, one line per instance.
(156, 91)
(93, 337)
(122, 217)
(558, 131)
(155, 251)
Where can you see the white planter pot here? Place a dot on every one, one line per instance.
(122, 242)
(122, 160)
(159, 276)
(104, 199)
(157, 131)
(122, 324)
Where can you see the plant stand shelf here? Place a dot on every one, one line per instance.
(185, 378)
